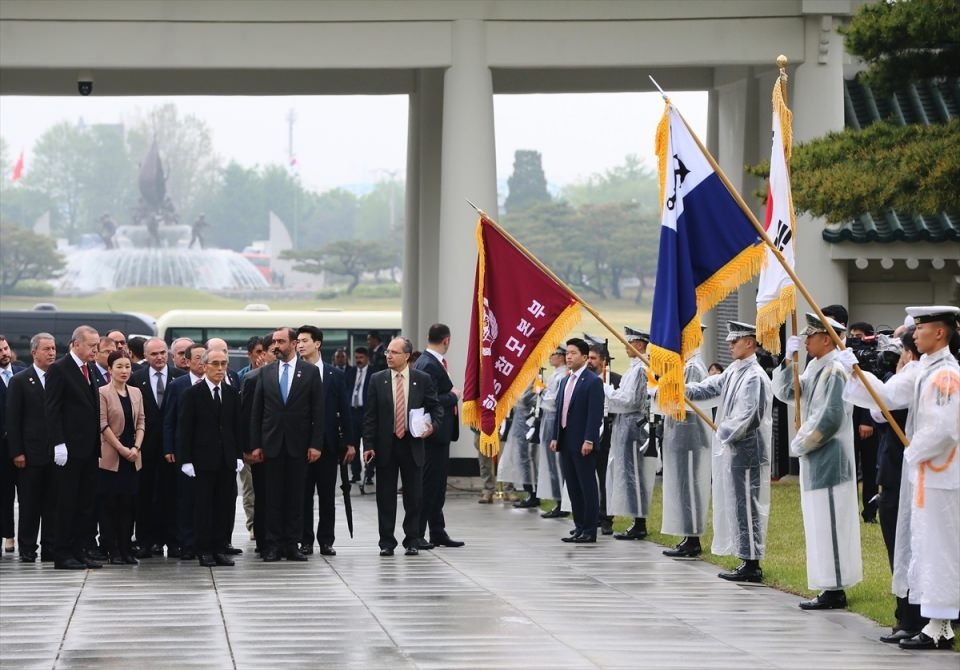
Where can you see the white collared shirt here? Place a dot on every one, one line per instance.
(211, 386)
(293, 364)
(41, 375)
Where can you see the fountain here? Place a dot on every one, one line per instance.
(156, 250)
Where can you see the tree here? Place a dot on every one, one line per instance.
(59, 170)
(26, 255)
(909, 40)
(186, 149)
(913, 168)
(630, 182)
(350, 258)
(527, 185)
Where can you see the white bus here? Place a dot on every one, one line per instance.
(341, 328)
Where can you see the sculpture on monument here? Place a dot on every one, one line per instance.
(155, 249)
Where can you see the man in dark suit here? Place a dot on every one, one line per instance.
(286, 429)
(357, 378)
(8, 473)
(28, 448)
(73, 414)
(255, 463)
(171, 449)
(598, 362)
(579, 415)
(157, 496)
(209, 426)
(378, 351)
(392, 395)
(437, 452)
(338, 445)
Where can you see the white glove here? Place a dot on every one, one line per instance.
(530, 433)
(652, 392)
(847, 359)
(187, 469)
(794, 344)
(60, 454)
(877, 416)
(608, 390)
(239, 464)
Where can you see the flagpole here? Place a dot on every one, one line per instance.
(782, 83)
(533, 259)
(796, 281)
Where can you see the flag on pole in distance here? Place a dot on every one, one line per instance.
(708, 247)
(17, 169)
(520, 314)
(776, 294)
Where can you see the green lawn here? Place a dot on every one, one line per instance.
(784, 566)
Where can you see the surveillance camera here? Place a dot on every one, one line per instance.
(85, 83)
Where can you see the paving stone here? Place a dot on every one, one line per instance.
(514, 597)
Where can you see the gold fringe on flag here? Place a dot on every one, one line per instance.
(556, 333)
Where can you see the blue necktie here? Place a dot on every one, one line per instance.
(284, 379)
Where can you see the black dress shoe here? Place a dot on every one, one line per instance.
(270, 556)
(231, 550)
(423, 544)
(224, 560)
(295, 555)
(28, 557)
(411, 551)
(186, 555)
(923, 641)
(574, 531)
(634, 532)
(327, 550)
(897, 635)
(583, 539)
(685, 549)
(388, 551)
(96, 555)
(70, 564)
(574, 534)
(207, 560)
(145, 552)
(173, 552)
(529, 503)
(446, 541)
(306, 549)
(744, 573)
(117, 560)
(156, 550)
(555, 513)
(606, 527)
(129, 559)
(827, 600)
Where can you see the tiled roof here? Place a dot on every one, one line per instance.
(925, 103)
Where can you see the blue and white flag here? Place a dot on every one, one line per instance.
(708, 247)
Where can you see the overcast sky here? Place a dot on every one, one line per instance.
(350, 140)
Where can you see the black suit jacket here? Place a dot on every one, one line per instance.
(15, 367)
(171, 414)
(378, 358)
(210, 435)
(585, 413)
(350, 380)
(449, 429)
(337, 431)
(26, 418)
(73, 409)
(144, 380)
(378, 412)
(298, 424)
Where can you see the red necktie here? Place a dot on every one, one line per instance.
(399, 409)
(86, 372)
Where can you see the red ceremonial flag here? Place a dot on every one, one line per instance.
(520, 315)
(18, 168)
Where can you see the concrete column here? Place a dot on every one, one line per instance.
(468, 171)
(817, 102)
(430, 91)
(410, 286)
(738, 144)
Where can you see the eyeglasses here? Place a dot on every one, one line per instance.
(217, 364)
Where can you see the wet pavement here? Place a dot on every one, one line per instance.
(513, 597)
